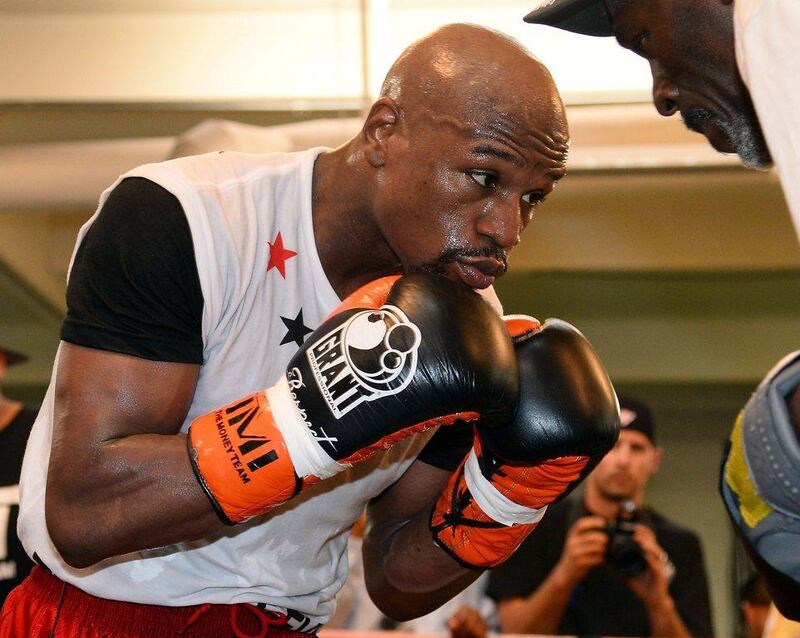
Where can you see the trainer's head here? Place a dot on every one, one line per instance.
(468, 136)
(690, 47)
(625, 471)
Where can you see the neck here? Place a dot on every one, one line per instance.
(350, 245)
(600, 504)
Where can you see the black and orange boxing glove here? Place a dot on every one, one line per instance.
(400, 355)
(566, 421)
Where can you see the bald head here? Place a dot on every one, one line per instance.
(465, 70)
(467, 138)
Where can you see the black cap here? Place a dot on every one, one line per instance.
(589, 17)
(635, 415)
(12, 357)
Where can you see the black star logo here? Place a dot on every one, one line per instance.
(295, 330)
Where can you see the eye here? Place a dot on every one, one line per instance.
(533, 198)
(484, 178)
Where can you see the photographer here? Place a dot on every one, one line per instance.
(602, 565)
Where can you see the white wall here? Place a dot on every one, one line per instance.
(130, 57)
(133, 51)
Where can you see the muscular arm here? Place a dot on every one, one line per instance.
(119, 478)
(406, 573)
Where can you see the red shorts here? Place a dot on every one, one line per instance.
(44, 606)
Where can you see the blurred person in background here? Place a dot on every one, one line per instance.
(16, 420)
(604, 564)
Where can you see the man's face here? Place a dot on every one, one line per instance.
(457, 193)
(625, 470)
(690, 47)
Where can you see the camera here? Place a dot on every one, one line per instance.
(623, 552)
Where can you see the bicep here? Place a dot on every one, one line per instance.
(119, 478)
(103, 396)
(116, 395)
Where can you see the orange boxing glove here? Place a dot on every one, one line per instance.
(398, 356)
(566, 421)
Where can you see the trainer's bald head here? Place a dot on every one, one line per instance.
(464, 71)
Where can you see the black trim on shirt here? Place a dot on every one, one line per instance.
(134, 287)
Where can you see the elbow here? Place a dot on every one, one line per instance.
(398, 603)
(395, 610)
(75, 544)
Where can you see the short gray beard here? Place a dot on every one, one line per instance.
(748, 142)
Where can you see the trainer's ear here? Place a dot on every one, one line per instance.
(383, 120)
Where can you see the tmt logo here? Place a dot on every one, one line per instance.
(372, 355)
(249, 448)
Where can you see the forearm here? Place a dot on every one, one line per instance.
(406, 573)
(539, 613)
(137, 492)
(416, 576)
(665, 621)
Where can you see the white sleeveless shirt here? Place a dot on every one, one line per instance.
(767, 37)
(262, 282)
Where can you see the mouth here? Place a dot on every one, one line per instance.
(709, 125)
(479, 272)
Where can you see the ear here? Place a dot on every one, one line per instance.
(383, 120)
(658, 454)
(726, 1)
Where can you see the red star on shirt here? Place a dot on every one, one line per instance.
(278, 255)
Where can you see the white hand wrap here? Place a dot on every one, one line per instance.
(308, 457)
(494, 504)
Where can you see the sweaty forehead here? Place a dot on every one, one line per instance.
(520, 97)
(495, 129)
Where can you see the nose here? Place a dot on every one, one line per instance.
(502, 223)
(620, 455)
(666, 96)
